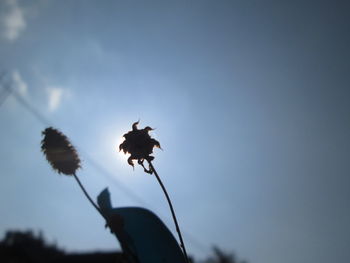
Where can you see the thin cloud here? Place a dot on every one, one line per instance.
(55, 95)
(13, 21)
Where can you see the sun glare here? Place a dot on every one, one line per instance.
(121, 155)
(112, 139)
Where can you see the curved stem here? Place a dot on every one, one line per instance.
(88, 197)
(171, 209)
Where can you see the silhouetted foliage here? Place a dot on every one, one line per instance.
(25, 247)
(222, 257)
(62, 156)
(141, 233)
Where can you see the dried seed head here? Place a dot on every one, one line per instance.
(139, 144)
(59, 152)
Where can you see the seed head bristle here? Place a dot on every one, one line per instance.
(59, 152)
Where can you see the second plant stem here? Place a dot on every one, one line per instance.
(87, 196)
(171, 209)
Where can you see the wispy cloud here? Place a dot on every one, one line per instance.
(13, 20)
(55, 95)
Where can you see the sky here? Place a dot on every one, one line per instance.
(249, 101)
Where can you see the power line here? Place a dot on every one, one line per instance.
(4, 95)
(6, 90)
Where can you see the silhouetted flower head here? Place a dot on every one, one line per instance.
(139, 144)
(59, 152)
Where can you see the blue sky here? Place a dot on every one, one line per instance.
(250, 101)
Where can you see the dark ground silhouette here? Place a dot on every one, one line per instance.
(26, 247)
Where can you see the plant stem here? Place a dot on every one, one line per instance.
(88, 197)
(171, 209)
(124, 247)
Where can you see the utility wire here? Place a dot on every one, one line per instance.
(4, 95)
(41, 118)
(6, 90)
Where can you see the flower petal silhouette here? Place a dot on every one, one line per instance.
(139, 144)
